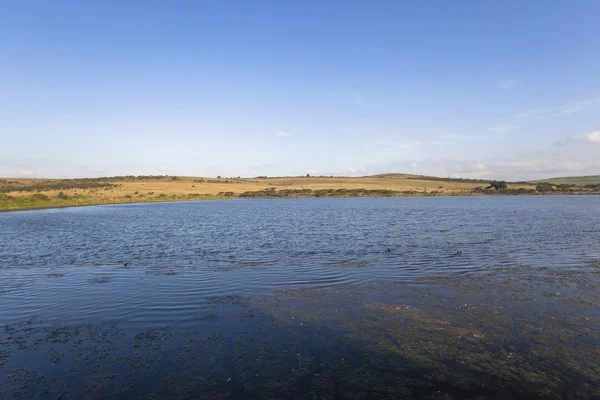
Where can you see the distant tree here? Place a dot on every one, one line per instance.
(498, 185)
(544, 187)
(308, 175)
(218, 176)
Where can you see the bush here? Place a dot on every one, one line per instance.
(62, 196)
(544, 187)
(40, 197)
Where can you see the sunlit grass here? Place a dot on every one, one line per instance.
(40, 193)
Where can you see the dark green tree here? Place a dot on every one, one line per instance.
(498, 185)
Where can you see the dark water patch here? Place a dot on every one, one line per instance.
(594, 263)
(101, 279)
(352, 263)
(228, 300)
(444, 339)
(163, 272)
(208, 317)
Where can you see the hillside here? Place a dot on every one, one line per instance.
(18, 194)
(32, 193)
(574, 180)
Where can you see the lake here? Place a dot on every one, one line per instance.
(421, 297)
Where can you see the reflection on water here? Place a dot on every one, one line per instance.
(309, 298)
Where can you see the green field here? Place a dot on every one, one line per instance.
(574, 180)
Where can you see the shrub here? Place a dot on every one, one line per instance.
(544, 187)
(62, 196)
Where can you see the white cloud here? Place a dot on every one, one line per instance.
(504, 83)
(27, 172)
(592, 137)
(503, 129)
(283, 134)
(524, 166)
(313, 171)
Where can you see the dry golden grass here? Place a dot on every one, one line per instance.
(185, 188)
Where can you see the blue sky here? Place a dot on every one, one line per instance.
(487, 89)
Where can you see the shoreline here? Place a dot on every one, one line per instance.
(37, 208)
(49, 207)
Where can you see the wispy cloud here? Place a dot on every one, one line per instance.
(580, 106)
(565, 109)
(167, 170)
(283, 134)
(391, 143)
(416, 143)
(537, 113)
(504, 83)
(465, 137)
(589, 138)
(359, 100)
(503, 129)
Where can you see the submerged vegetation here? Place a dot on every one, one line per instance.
(512, 333)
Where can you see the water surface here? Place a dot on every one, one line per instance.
(303, 298)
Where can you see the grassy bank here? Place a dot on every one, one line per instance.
(16, 203)
(19, 194)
